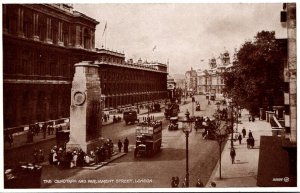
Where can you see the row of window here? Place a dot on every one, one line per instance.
(35, 62)
(29, 28)
(115, 88)
(27, 107)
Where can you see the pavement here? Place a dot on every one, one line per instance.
(20, 139)
(93, 166)
(243, 173)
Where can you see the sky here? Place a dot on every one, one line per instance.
(187, 35)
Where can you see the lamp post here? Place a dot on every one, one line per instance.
(193, 101)
(221, 137)
(232, 104)
(187, 128)
(237, 117)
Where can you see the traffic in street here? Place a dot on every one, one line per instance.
(147, 172)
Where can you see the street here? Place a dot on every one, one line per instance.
(154, 172)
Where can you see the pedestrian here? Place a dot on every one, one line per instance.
(177, 181)
(248, 143)
(249, 118)
(74, 158)
(244, 132)
(250, 135)
(213, 184)
(44, 129)
(41, 156)
(173, 182)
(240, 138)
(232, 154)
(97, 157)
(36, 129)
(35, 156)
(49, 129)
(50, 157)
(126, 143)
(10, 139)
(183, 183)
(208, 102)
(120, 145)
(253, 142)
(199, 183)
(52, 130)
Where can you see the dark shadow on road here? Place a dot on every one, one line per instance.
(234, 177)
(166, 154)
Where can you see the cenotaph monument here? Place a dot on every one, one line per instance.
(85, 109)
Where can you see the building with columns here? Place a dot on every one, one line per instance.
(131, 83)
(211, 80)
(41, 44)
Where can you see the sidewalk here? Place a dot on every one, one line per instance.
(20, 139)
(243, 173)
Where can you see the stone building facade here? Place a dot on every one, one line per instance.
(211, 80)
(41, 44)
(191, 81)
(289, 140)
(130, 84)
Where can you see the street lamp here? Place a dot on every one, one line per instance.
(236, 116)
(231, 104)
(221, 137)
(187, 126)
(193, 101)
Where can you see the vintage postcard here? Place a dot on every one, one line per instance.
(144, 96)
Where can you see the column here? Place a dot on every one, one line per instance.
(70, 39)
(20, 22)
(82, 37)
(35, 25)
(60, 34)
(48, 31)
(93, 39)
(78, 37)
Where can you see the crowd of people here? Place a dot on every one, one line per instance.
(175, 183)
(46, 128)
(70, 158)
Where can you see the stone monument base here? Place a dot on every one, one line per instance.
(85, 146)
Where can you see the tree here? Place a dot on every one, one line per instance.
(257, 80)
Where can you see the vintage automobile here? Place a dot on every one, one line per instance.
(130, 116)
(199, 123)
(156, 107)
(173, 123)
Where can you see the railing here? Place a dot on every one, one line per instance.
(22, 128)
(277, 128)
